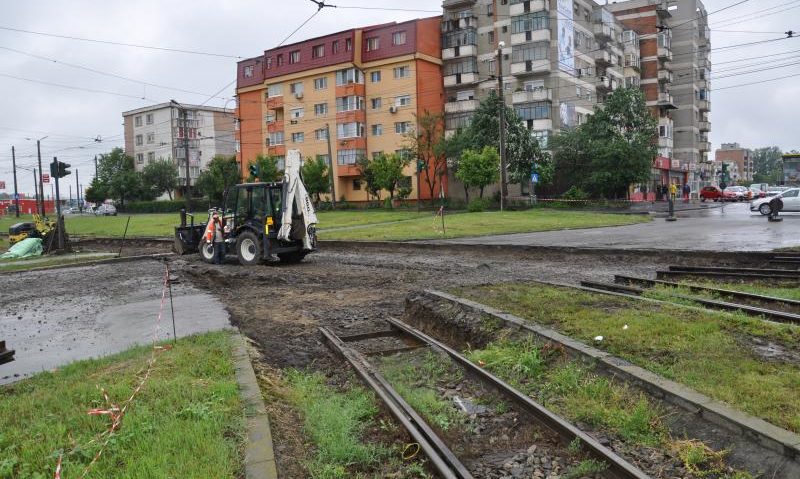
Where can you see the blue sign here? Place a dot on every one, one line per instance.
(15, 196)
(535, 177)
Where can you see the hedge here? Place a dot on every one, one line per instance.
(173, 206)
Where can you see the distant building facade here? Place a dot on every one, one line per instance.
(791, 169)
(733, 153)
(157, 132)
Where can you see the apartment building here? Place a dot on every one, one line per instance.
(733, 153)
(559, 58)
(157, 132)
(342, 96)
(674, 43)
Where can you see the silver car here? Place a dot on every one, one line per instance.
(106, 210)
(790, 198)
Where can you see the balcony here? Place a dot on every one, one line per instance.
(704, 126)
(459, 52)
(704, 105)
(535, 6)
(275, 103)
(530, 67)
(460, 79)
(461, 106)
(704, 145)
(703, 84)
(603, 32)
(664, 54)
(539, 125)
(665, 100)
(603, 58)
(457, 3)
(665, 76)
(603, 83)
(539, 94)
(348, 171)
(542, 35)
(664, 142)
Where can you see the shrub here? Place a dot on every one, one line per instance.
(575, 193)
(174, 206)
(478, 204)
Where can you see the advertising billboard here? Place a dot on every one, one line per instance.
(566, 37)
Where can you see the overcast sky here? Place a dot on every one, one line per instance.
(757, 115)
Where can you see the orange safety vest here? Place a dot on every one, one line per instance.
(209, 233)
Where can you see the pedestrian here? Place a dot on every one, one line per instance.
(673, 191)
(218, 238)
(687, 190)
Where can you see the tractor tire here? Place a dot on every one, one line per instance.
(292, 258)
(207, 251)
(765, 209)
(248, 249)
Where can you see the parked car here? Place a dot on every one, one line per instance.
(736, 193)
(790, 198)
(774, 190)
(105, 210)
(759, 190)
(710, 193)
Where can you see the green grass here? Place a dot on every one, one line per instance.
(572, 389)
(707, 351)
(187, 421)
(481, 224)
(778, 292)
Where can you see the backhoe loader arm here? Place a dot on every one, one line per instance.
(295, 198)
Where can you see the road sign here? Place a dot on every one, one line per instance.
(45, 178)
(535, 177)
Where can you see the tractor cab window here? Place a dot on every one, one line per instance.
(230, 201)
(276, 202)
(260, 203)
(243, 203)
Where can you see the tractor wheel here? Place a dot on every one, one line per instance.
(765, 209)
(207, 251)
(293, 257)
(248, 249)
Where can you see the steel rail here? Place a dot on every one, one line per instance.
(779, 316)
(723, 269)
(441, 457)
(718, 274)
(760, 298)
(618, 468)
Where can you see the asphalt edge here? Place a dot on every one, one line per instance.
(124, 259)
(259, 457)
(769, 436)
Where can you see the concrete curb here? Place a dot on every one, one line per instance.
(124, 259)
(259, 457)
(769, 436)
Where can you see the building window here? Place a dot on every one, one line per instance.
(404, 153)
(402, 72)
(348, 45)
(377, 154)
(490, 38)
(296, 113)
(335, 46)
(269, 63)
(404, 100)
(321, 134)
(539, 110)
(376, 103)
(349, 103)
(294, 57)
(350, 130)
(151, 157)
(468, 65)
(248, 71)
(325, 158)
(460, 38)
(375, 77)
(377, 130)
(349, 157)
(402, 127)
(530, 21)
(238, 146)
(140, 158)
(151, 138)
(149, 119)
(399, 38)
(274, 90)
(318, 51)
(542, 136)
(531, 52)
(356, 185)
(275, 138)
(137, 121)
(280, 59)
(296, 88)
(373, 44)
(321, 83)
(350, 75)
(321, 109)
(298, 137)
(139, 139)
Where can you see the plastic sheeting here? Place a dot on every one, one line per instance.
(24, 249)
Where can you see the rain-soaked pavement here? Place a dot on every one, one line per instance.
(53, 318)
(732, 228)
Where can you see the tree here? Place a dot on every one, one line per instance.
(267, 169)
(767, 165)
(97, 192)
(315, 177)
(160, 177)
(388, 170)
(479, 169)
(116, 172)
(368, 174)
(427, 144)
(221, 173)
(613, 149)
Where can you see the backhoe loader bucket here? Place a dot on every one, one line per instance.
(187, 238)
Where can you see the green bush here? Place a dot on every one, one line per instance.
(575, 193)
(163, 206)
(478, 204)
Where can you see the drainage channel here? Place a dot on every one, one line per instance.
(444, 461)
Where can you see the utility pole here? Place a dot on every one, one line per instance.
(502, 118)
(70, 195)
(36, 190)
(330, 166)
(54, 171)
(41, 184)
(78, 192)
(186, 154)
(95, 166)
(14, 167)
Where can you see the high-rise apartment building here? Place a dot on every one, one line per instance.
(157, 133)
(341, 97)
(733, 153)
(674, 43)
(559, 58)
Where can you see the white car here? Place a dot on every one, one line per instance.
(790, 198)
(106, 210)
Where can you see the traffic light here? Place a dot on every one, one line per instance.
(254, 170)
(420, 165)
(58, 169)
